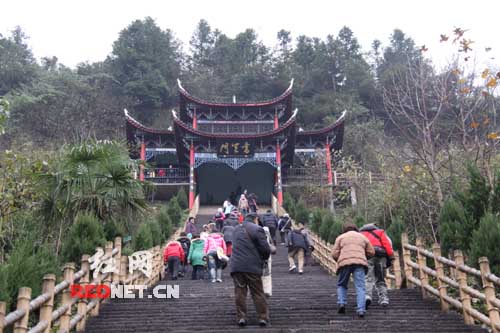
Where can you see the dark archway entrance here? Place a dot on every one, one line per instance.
(216, 181)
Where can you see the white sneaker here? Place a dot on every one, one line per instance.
(213, 281)
(291, 269)
(219, 280)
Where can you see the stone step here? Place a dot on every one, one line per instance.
(300, 303)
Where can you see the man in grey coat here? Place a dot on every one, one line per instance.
(250, 252)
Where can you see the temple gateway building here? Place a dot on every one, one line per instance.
(220, 149)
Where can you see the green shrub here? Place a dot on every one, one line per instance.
(84, 236)
(485, 242)
(455, 227)
(289, 203)
(156, 233)
(174, 211)
(395, 231)
(326, 225)
(477, 196)
(335, 230)
(359, 221)
(143, 239)
(182, 198)
(26, 266)
(165, 223)
(301, 213)
(113, 229)
(317, 219)
(127, 251)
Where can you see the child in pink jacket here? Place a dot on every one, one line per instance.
(212, 244)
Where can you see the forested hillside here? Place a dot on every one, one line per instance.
(431, 133)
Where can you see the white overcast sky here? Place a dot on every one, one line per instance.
(77, 31)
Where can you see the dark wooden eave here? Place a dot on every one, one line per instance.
(186, 98)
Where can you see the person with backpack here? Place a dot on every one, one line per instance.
(284, 226)
(185, 243)
(215, 249)
(351, 250)
(384, 254)
(195, 257)
(219, 219)
(173, 256)
(271, 221)
(250, 252)
(298, 245)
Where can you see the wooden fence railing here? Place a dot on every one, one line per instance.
(444, 278)
(71, 312)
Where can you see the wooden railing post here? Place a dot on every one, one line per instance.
(108, 251)
(489, 292)
(123, 269)
(3, 311)
(23, 304)
(397, 270)
(462, 282)
(422, 263)
(68, 275)
(49, 282)
(118, 246)
(82, 303)
(436, 250)
(406, 258)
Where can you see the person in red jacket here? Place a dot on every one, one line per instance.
(377, 265)
(173, 256)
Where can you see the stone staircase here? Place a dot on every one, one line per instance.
(300, 303)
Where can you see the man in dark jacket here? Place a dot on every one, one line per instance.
(185, 243)
(271, 221)
(250, 251)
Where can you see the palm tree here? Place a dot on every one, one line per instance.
(94, 177)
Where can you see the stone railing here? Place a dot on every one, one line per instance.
(55, 305)
(443, 275)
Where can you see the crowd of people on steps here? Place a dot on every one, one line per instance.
(239, 238)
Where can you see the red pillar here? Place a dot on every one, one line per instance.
(191, 176)
(329, 163)
(276, 124)
(143, 160)
(278, 174)
(195, 121)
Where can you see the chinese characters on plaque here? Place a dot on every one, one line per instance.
(234, 148)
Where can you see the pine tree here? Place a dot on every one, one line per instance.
(455, 226)
(485, 242)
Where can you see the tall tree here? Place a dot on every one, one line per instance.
(17, 64)
(146, 61)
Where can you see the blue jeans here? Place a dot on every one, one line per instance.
(214, 265)
(343, 275)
